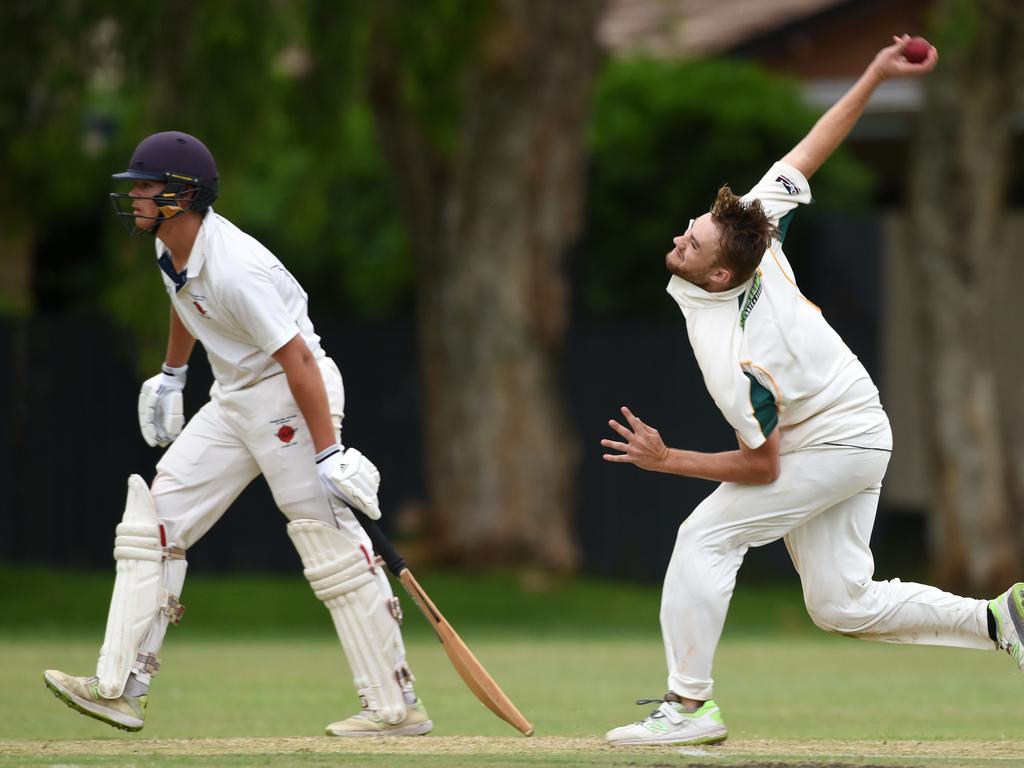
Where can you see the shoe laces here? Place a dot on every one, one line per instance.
(1014, 649)
(661, 702)
(1007, 638)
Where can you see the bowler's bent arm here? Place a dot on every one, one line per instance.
(752, 466)
(644, 447)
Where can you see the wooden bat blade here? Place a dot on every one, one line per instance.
(470, 670)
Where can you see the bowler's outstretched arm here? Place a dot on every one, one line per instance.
(830, 130)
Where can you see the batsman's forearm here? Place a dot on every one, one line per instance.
(180, 342)
(834, 126)
(726, 467)
(307, 387)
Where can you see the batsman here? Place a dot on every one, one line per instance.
(275, 409)
(813, 445)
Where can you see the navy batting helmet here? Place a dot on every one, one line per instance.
(180, 160)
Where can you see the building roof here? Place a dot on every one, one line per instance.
(824, 43)
(695, 28)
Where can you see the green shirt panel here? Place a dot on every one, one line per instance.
(764, 406)
(784, 225)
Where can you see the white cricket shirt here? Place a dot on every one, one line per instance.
(769, 357)
(239, 301)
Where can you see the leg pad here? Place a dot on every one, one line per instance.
(149, 579)
(344, 579)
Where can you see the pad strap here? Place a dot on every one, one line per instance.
(148, 663)
(173, 609)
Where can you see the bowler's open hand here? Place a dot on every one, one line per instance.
(889, 62)
(643, 447)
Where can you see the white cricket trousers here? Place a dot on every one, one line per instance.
(231, 440)
(234, 438)
(823, 504)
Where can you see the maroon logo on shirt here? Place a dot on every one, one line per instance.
(285, 434)
(198, 306)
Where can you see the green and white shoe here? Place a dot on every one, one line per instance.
(670, 723)
(369, 723)
(1008, 610)
(83, 693)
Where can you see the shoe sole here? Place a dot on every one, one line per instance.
(86, 707)
(712, 739)
(419, 729)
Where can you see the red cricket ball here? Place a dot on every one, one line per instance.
(916, 50)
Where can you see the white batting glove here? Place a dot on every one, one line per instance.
(350, 477)
(161, 413)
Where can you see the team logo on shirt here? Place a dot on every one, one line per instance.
(196, 298)
(752, 296)
(792, 188)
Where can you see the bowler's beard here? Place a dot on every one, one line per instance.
(698, 277)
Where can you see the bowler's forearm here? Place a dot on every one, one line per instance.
(725, 467)
(834, 126)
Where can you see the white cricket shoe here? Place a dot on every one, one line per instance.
(670, 723)
(1008, 610)
(83, 693)
(369, 723)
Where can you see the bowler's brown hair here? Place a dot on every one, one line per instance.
(745, 232)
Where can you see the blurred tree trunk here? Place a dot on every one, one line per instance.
(962, 155)
(16, 264)
(491, 214)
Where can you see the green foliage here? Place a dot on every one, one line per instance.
(429, 46)
(954, 25)
(665, 136)
(276, 92)
(45, 59)
(274, 89)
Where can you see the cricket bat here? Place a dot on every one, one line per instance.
(470, 670)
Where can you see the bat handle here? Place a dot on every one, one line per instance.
(394, 561)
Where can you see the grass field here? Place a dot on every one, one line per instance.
(254, 674)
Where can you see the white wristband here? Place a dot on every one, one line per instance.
(328, 452)
(170, 371)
